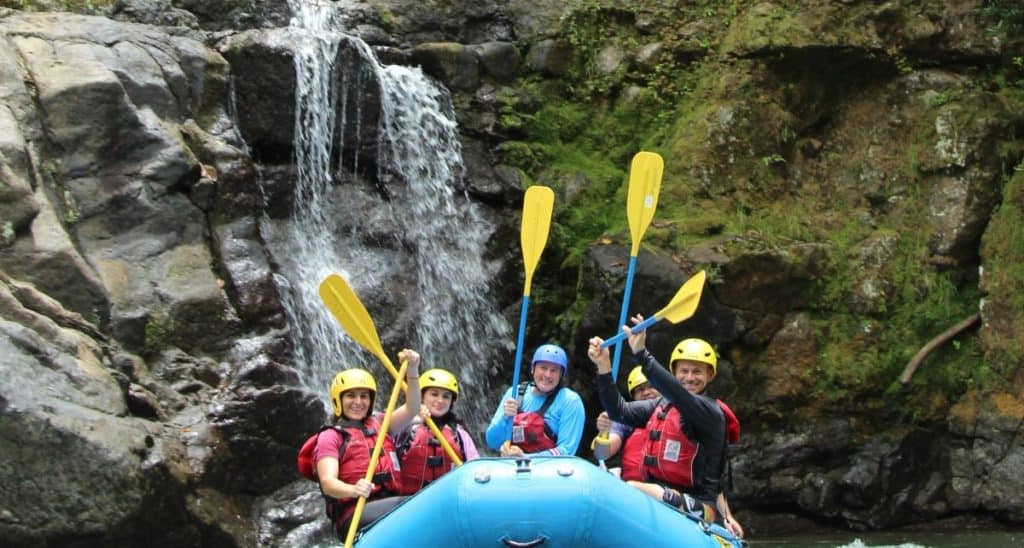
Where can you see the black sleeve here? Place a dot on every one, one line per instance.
(700, 412)
(633, 413)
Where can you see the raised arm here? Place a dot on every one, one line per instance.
(403, 415)
(633, 414)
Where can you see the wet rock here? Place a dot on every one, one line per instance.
(293, 515)
(249, 276)
(110, 472)
(153, 12)
(143, 403)
(549, 57)
(771, 279)
(649, 55)
(499, 60)
(237, 14)
(259, 431)
(790, 361)
(264, 70)
(455, 65)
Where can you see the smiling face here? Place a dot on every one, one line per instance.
(694, 376)
(355, 404)
(438, 401)
(645, 392)
(546, 376)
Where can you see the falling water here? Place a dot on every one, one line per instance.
(450, 317)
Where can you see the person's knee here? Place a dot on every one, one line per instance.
(673, 498)
(686, 503)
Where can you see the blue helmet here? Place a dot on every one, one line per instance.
(550, 353)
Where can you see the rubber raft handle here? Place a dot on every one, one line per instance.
(527, 544)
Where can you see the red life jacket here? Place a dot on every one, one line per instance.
(529, 431)
(633, 449)
(732, 424)
(424, 460)
(668, 454)
(633, 455)
(358, 438)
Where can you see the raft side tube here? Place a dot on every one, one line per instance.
(543, 501)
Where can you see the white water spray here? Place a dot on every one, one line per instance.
(448, 314)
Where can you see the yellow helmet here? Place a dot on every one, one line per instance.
(635, 379)
(439, 378)
(697, 350)
(350, 379)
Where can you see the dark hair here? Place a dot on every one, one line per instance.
(448, 418)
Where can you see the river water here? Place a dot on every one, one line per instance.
(894, 539)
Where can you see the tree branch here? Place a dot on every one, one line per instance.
(914, 362)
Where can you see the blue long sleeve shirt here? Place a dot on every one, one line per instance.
(565, 418)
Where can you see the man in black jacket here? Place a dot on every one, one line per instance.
(684, 456)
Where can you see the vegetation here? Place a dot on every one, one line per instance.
(159, 332)
(755, 163)
(1005, 17)
(1002, 248)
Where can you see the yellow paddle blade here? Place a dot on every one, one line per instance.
(533, 235)
(685, 302)
(351, 314)
(644, 184)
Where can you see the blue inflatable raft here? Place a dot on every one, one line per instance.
(544, 502)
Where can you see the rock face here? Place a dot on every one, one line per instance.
(147, 368)
(125, 185)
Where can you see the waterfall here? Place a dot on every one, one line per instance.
(440, 234)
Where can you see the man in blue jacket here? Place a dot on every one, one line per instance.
(542, 417)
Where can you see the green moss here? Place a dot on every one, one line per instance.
(1003, 17)
(589, 29)
(386, 17)
(1002, 250)
(583, 151)
(159, 332)
(70, 206)
(70, 211)
(860, 356)
(525, 155)
(7, 234)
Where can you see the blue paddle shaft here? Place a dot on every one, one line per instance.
(636, 328)
(622, 315)
(519, 347)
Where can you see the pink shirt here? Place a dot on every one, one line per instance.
(467, 443)
(328, 443)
